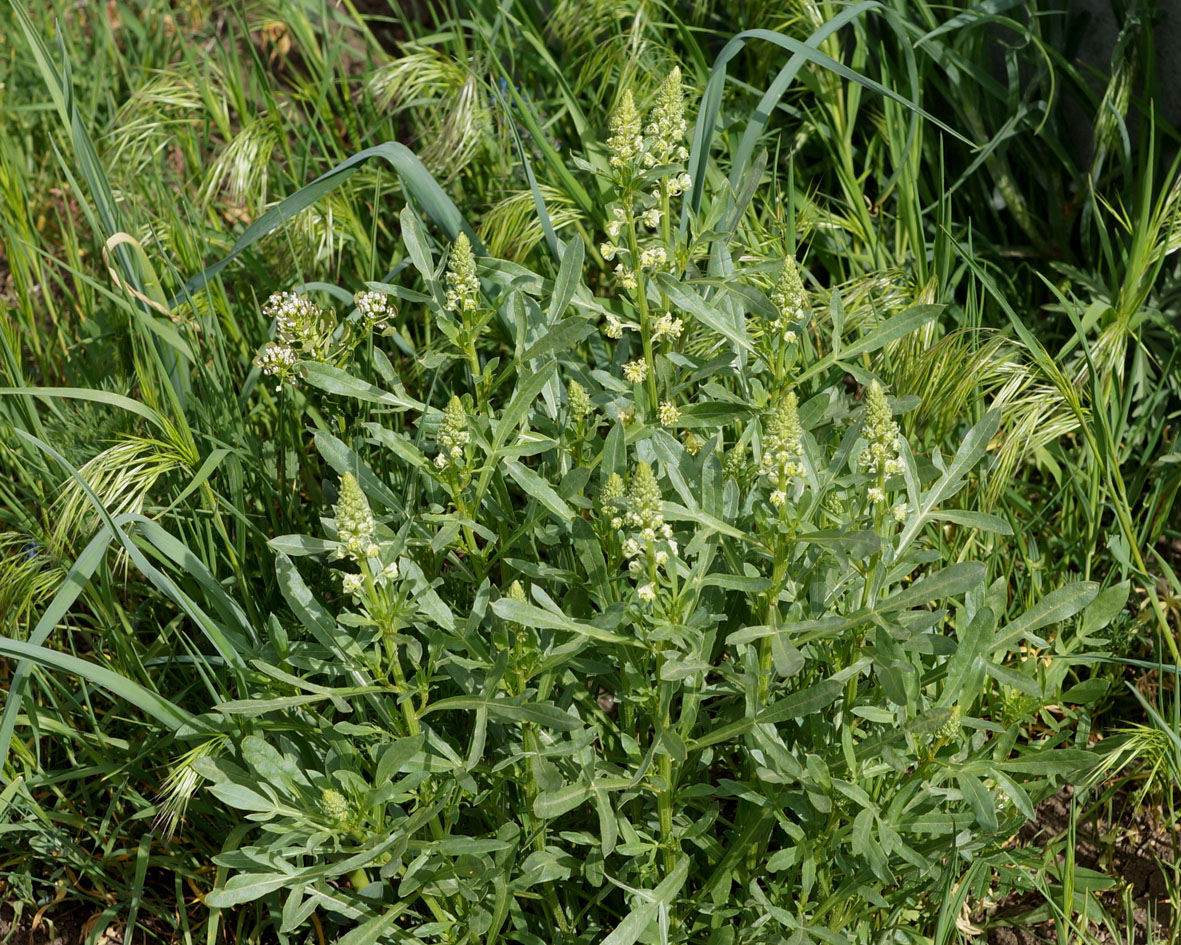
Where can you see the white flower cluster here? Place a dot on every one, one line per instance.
(355, 527)
(302, 329)
(277, 360)
(298, 320)
(375, 309)
(636, 372)
(669, 414)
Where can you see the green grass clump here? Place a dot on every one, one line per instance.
(574, 474)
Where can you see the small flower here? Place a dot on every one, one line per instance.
(352, 583)
(614, 327)
(578, 400)
(625, 141)
(883, 437)
(607, 251)
(636, 371)
(463, 285)
(876, 495)
(669, 414)
(627, 416)
(693, 443)
(355, 527)
(627, 278)
(389, 572)
(646, 593)
(652, 218)
(899, 512)
(778, 497)
(685, 181)
(789, 337)
(375, 309)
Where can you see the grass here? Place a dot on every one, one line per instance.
(804, 718)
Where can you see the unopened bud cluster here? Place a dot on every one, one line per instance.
(790, 301)
(463, 285)
(883, 438)
(453, 434)
(646, 526)
(666, 124)
(783, 448)
(355, 526)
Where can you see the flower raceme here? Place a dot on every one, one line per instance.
(453, 434)
(882, 435)
(355, 526)
(783, 448)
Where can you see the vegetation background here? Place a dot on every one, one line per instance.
(207, 737)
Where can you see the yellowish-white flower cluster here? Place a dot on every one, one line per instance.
(453, 434)
(667, 327)
(463, 285)
(625, 142)
(783, 448)
(669, 414)
(653, 256)
(355, 527)
(790, 300)
(882, 436)
(375, 309)
(613, 328)
(645, 520)
(636, 371)
(666, 124)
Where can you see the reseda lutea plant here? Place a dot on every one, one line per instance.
(614, 645)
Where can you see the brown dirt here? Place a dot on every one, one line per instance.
(1131, 850)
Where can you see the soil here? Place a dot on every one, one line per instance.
(1131, 849)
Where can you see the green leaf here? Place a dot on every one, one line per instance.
(539, 713)
(416, 179)
(537, 488)
(1058, 605)
(628, 931)
(529, 616)
(166, 713)
(335, 381)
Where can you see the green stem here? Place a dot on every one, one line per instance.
(633, 248)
